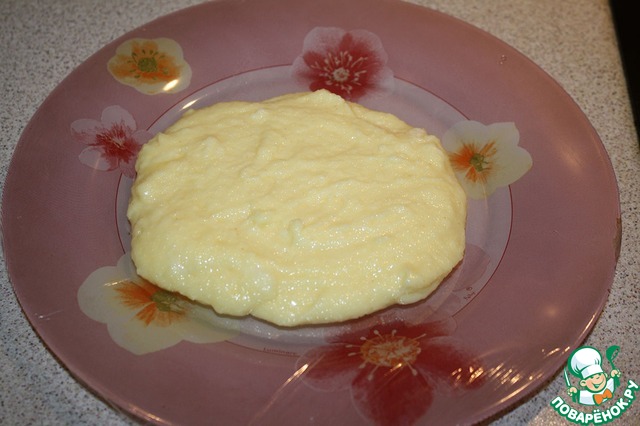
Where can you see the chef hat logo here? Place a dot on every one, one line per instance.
(585, 362)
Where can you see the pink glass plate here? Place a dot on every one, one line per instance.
(552, 235)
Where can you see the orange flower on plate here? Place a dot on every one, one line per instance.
(154, 304)
(486, 158)
(476, 161)
(151, 66)
(142, 317)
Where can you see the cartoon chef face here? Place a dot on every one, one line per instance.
(595, 383)
(586, 363)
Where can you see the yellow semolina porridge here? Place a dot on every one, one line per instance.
(301, 209)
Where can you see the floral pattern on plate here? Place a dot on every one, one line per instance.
(351, 64)
(151, 66)
(140, 316)
(486, 157)
(393, 369)
(113, 142)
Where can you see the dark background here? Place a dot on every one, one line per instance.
(628, 32)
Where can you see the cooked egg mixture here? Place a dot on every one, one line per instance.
(302, 209)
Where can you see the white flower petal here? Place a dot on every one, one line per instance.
(99, 300)
(93, 158)
(140, 339)
(508, 163)
(115, 115)
(85, 129)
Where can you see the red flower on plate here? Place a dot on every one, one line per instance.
(112, 143)
(347, 63)
(393, 369)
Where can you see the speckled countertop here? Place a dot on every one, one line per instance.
(572, 40)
